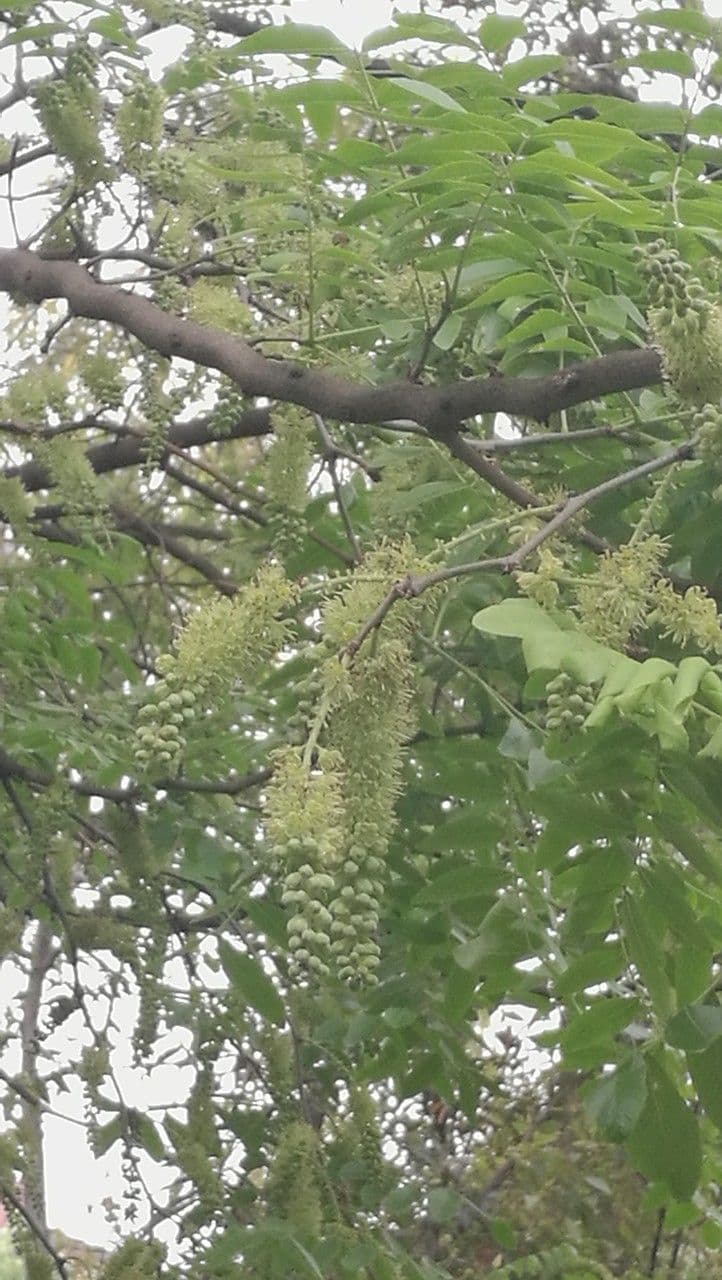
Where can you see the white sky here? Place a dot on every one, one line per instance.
(76, 1182)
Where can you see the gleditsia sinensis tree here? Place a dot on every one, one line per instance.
(361, 651)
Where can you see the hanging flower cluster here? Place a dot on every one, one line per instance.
(225, 642)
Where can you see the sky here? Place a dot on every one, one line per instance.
(77, 1183)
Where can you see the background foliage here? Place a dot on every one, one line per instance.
(361, 464)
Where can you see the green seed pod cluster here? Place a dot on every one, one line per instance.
(355, 906)
(93, 1069)
(303, 821)
(366, 1124)
(104, 379)
(170, 294)
(285, 478)
(685, 323)
(217, 302)
(568, 704)
(688, 618)
(166, 173)
(81, 66)
(135, 1260)
(201, 1113)
(308, 691)
(146, 1032)
(160, 737)
(277, 1049)
(707, 426)
(230, 405)
(71, 474)
(295, 1180)
(70, 111)
(196, 1163)
(35, 393)
(174, 174)
(139, 123)
(368, 726)
(15, 503)
(287, 462)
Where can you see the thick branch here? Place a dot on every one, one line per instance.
(26, 274)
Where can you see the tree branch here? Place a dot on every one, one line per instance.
(127, 451)
(232, 786)
(26, 274)
(414, 585)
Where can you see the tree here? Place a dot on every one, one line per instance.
(362, 452)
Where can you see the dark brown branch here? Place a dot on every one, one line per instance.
(33, 777)
(127, 451)
(234, 24)
(26, 274)
(151, 536)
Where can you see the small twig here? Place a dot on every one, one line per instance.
(10, 197)
(656, 1242)
(414, 585)
(500, 444)
(53, 332)
(330, 456)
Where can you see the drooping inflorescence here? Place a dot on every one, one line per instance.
(613, 601)
(224, 643)
(334, 865)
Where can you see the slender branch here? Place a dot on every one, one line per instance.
(34, 1173)
(127, 451)
(41, 1235)
(232, 786)
(414, 585)
(499, 444)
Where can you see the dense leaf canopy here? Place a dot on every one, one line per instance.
(362, 670)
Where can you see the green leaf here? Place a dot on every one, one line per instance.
(705, 1068)
(665, 1143)
(674, 61)
(497, 31)
(291, 37)
(418, 26)
(688, 21)
(590, 1035)
(444, 1204)
(595, 966)
(546, 644)
(148, 1136)
(695, 1027)
(645, 951)
(615, 1102)
(430, 93)
(246, 975)
(446, 336)
(707, 859)
(476, 273)
(501, 933)
(36, 32)
(531, 68)
(545, 320)
(106, 1135)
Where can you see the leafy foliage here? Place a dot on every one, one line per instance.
(361, 662)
